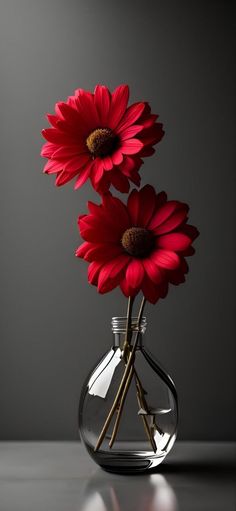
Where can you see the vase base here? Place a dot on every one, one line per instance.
(126, 463)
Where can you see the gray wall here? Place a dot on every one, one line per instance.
(54, 326)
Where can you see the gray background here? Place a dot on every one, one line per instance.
(54, 326)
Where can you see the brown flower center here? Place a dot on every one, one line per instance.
(101, 142)
(138, 241)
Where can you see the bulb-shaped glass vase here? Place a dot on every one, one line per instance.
(142, 428)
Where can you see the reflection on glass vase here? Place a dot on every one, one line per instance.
(128, 409)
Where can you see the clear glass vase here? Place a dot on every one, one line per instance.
(147, 408)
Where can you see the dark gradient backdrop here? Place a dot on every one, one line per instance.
(179, 56)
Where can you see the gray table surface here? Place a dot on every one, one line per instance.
(60, 476)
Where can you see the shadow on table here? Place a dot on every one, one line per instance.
(209, 459)
(199, 467)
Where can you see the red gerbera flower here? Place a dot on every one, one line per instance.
(141, 246)
(96, 136)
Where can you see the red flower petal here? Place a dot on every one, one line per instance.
(119, 101)
(64, 177)
(173, 222)
(191, 231)
(76, 163)
(129, 167)
(141, 205)
(135, 178)
(163, 289)
(94, 208)
(174, 241)
(71, 100)
(111, 270)
(102, 186)
(125, 288)
(150, 290)
(162, 214)
(131, 146)
(58, 137)
(119, 181)
(110, 283)
(53, 166)
(132, 114)
(107, 163)
(146, 151)
(117, 212)
(102, 103)
(152, 135)
(70, 131)
(119, 264)
(117, 157)
(161, 199)
(102, 252)
(153, 271)
(146, 111)
(133, 207)
(130, 132)
(166, 259)
(135, 274)
(177, 278)
(83, 176)
(130, 164)
(69, 114)
(147, 204)
(95, 232)
(66, 152)
(188, 252)
(53, 119)
(48, 149)
(93, 272)
(87, 109)
(149, 121)
(83, 249)
(97, 170)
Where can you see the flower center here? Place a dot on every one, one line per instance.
(101, 142)
(137, 241)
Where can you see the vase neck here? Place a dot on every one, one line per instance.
(119, 330)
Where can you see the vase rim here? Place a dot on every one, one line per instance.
(118, 324)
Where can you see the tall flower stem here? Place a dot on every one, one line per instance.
(124, 377)
(121, 406)
(130, 371)
(128, 332)
(140, 392)
(126, 348)
(118, 395)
